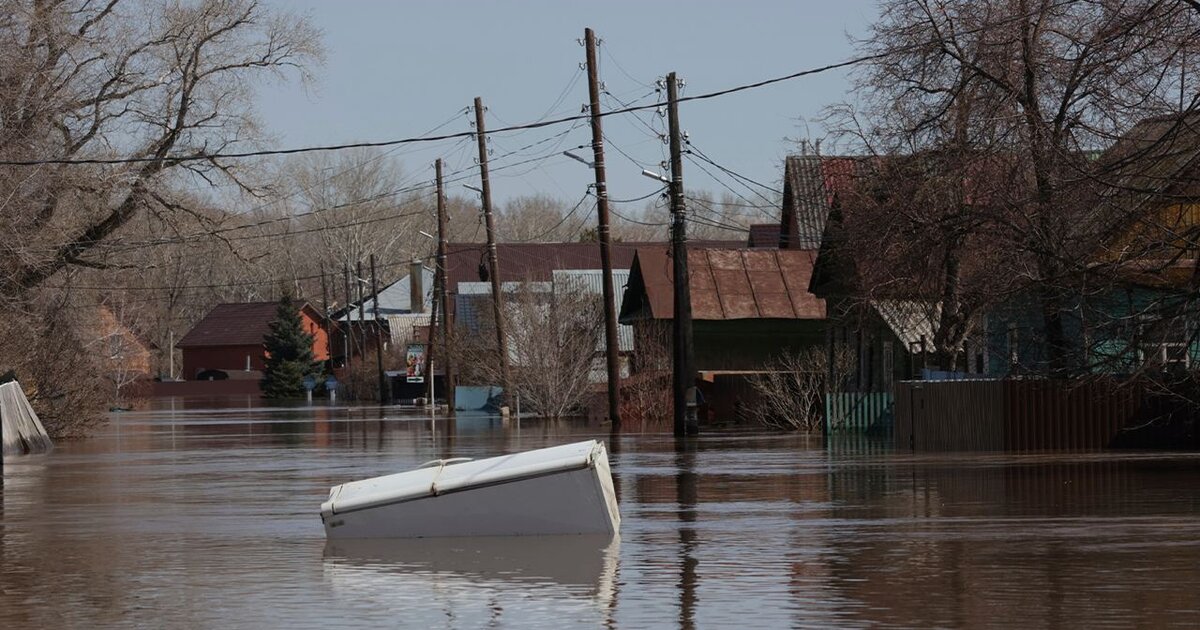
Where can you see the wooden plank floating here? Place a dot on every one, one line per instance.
(21, 432)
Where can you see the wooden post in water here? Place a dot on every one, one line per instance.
(683, 374)
(485, 196)
(384, 399)
(443, 298)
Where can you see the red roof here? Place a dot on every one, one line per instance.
(235, 324)
(726, 284)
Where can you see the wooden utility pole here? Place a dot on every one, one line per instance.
(612, 349)
(362, 318)
(493, 267)
(432, 337)
(448, 383)
(325, 322)
(383, 393)
(683, 375)
(347, 336)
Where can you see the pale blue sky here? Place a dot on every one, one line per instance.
(398, 69)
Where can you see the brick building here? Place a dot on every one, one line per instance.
(230, 339)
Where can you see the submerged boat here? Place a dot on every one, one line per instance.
(559, 490)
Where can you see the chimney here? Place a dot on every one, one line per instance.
(416, 288)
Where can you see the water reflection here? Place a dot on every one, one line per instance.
(478, 581)
(686, 497)
(199, 518)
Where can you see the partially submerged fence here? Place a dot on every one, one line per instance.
(1012, 415)
(858, 412)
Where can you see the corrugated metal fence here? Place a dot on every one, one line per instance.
(1011, 415)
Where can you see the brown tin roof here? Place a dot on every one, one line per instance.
(235, 324)
(726, 284)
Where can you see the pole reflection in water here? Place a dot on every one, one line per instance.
(685, 497)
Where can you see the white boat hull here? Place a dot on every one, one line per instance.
(572, 496)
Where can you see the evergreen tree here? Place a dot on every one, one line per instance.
(289, 354)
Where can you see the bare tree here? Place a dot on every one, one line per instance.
(351, 205)
(553, 338)
(141, 82)
(107, 111)
(1034, 83)
(791, 390)
(124, 359)
(542, 219)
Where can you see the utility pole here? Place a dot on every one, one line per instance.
(347, 336)
(383, 397)
(325, 323)
(612, 348)
(493, 266)
(683, 376)
(448, 383)
(432, 337)
(363, 317)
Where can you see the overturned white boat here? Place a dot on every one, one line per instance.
(559, 490)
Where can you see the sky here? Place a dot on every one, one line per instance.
(400, 69)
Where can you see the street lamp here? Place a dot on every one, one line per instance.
(659, 176)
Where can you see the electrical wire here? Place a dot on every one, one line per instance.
(642, 198)
(204, 157)
(554, 227)
(700, 166)
(733, 173)
(118, 244)
(636, 221)
(197, 157)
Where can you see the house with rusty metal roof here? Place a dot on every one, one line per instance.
(748, 305)
(228, 341)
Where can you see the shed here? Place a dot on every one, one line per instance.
(748, 305)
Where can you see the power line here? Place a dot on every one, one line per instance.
(464, 174)
(197, 157)
(554, 227)
(642, 198)
(735, 174)
(224, 285)
(714, 178)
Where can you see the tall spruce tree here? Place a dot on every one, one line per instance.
(289, 353)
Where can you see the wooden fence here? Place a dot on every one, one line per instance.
(1012, 415)
(858, 412)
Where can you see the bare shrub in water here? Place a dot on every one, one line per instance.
(553, 339)
(790, 394)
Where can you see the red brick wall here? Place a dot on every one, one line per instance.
(312, 326)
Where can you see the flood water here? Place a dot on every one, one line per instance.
(209, 519)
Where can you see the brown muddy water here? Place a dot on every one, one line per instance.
(209, 519)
